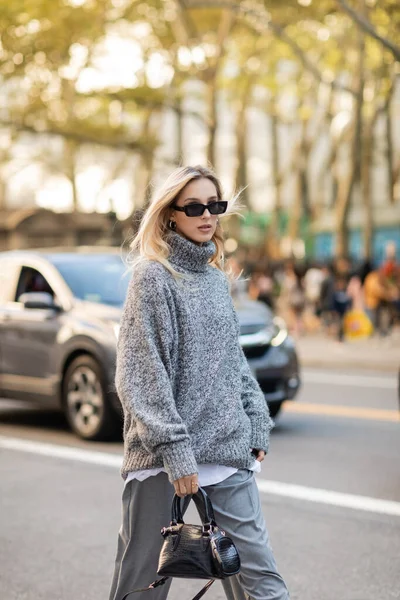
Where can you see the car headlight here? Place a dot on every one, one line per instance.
(275, 334)
(280, 332)
(116, 328)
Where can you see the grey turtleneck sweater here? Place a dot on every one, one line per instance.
(188, 394)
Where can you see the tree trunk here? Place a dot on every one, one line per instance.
(71, 148)
(389, 150)
(366, 189)
(396, 176)
(361, 19)
(3, 194)
(147, 159)
(210, 78)
(367, 165)
(295, 210)
(300, 205)
(179, 156)
(346, 185)
(212, 93)
(241, 154)
(178, 159)
(241, 176)
(276, 178)
(147, 176)
(303, 187)
(345, 189)
(332, 169)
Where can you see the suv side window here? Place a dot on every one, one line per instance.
(32, 280)
(8, 278)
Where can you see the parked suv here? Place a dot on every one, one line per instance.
(59, 323)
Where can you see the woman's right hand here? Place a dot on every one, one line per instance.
(186, 485)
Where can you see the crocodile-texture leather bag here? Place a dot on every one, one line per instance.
(194, 551)
(197, 551)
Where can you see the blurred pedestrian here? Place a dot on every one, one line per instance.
(261, 288)
(355, 292)
(378, 297)
(391, 272)
(294, 293)
(357, 324)
(193, 412)
(342, 268)
(325, 304)
(341, 303)
(365, 270)
(312, 285)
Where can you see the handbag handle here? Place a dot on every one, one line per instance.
(203, 505)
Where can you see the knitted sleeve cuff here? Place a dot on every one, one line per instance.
(179, 460)
(260, 430)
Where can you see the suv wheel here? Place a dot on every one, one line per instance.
(87, 408)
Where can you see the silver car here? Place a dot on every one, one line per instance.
(59, 321)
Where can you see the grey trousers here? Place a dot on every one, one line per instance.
(146, 508)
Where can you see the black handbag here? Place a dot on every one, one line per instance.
(195, 551)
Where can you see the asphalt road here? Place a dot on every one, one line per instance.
(330, 490)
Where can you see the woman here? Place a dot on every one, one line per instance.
(193, 413)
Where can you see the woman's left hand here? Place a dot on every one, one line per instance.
(259, 454)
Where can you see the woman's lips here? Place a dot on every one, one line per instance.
(205, 227)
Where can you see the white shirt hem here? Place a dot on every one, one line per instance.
(208, 474)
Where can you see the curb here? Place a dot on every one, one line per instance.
(346, 365)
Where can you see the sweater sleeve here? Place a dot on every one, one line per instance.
(143, 372)
(255, 407)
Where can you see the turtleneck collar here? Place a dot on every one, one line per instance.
(187, 255)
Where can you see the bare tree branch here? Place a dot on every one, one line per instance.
(82, 138)
(368, 28)
(153, 104)
(186, 22)
(261, 22)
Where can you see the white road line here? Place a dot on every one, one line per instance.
(67, 452)
(297, 492)
(321, 496)
(349, 380)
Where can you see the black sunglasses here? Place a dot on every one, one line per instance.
(197, 209)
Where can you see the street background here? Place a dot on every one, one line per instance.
(297, 106)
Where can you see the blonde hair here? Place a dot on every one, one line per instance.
(150, 241)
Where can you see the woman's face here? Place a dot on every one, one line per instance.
(197, 229)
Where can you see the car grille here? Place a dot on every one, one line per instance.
(255, 351)
(247, 329)
(270, 386)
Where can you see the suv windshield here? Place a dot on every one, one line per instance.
(98, 278)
